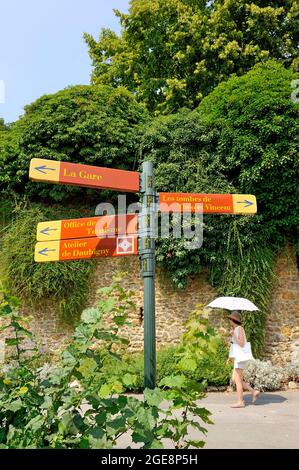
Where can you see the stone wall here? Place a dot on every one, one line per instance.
(173, 308)
(282, 325)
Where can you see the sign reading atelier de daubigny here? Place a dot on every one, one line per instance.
(122, 235)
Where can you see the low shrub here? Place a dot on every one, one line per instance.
(292, 373)
(134, 364)
(263, 376)
(213, 367)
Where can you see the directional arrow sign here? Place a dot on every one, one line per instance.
(108, 225)
(208, 203)
(75, 174)
(85, 248)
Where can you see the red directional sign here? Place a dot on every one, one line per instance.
(208, 203)
(85, 248)
(104, 226)
(52, 171)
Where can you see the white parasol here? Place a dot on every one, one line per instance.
(233, 303)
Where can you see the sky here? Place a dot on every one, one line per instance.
(42, 49)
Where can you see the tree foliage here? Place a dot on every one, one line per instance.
(243, 138)
(258, 144)
(171, 53)
(96, 125)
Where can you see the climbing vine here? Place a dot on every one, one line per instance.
(248, 273)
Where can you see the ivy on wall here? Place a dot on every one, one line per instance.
(66, 283)
(250, 274)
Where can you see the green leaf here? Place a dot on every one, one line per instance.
(14, 405)
(154, 397)
(105, 390)
(129, 379)
(154, 444)
(18, 327)
(12, 341)
(107, 305)
(197, 444)
(65, 423)
(187, 364)
(91, 315)
(116, 426)
(173, 381)
(147, 417)
(36, 423)
(87, 367)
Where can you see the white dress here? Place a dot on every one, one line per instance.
(238, 365)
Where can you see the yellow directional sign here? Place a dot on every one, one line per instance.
(85, 248)
(208, 203)
(101, 227)
(76, 174)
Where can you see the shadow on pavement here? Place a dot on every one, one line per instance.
(265, 399)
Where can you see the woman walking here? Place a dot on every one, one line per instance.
(239, 338)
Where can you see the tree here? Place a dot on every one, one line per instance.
(95, 125)
(3, 126)
(243, 138)
(171, 53)
(258, 143)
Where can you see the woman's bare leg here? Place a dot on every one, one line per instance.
(238, 379)
(246, 386)
(255, 393)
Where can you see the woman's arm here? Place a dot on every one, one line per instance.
(240, 337)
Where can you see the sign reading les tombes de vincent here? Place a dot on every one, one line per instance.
(208, 203)
(76, 174)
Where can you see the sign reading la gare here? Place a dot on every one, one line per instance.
(77, 174)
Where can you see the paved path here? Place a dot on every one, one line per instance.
(272, 423)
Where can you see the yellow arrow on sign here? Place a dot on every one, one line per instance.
(44, 170)
(45, 252)
(244, 204)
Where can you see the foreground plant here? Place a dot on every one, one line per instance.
(72, 405)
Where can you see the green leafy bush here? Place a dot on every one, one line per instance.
(73, 405)
(258, 142)
(210, 367)
(134, 363)
(67, 283)
(213, 369)
(95, 125)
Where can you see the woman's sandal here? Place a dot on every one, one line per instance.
(238, 405)
(255, 396)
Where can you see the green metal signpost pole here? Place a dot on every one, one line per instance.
(147, 254)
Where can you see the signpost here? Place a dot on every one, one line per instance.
(110, 235)
(147, 255)
(107, 225)
(208, 203)
(75, 174)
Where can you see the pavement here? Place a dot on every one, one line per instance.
(272, 423)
